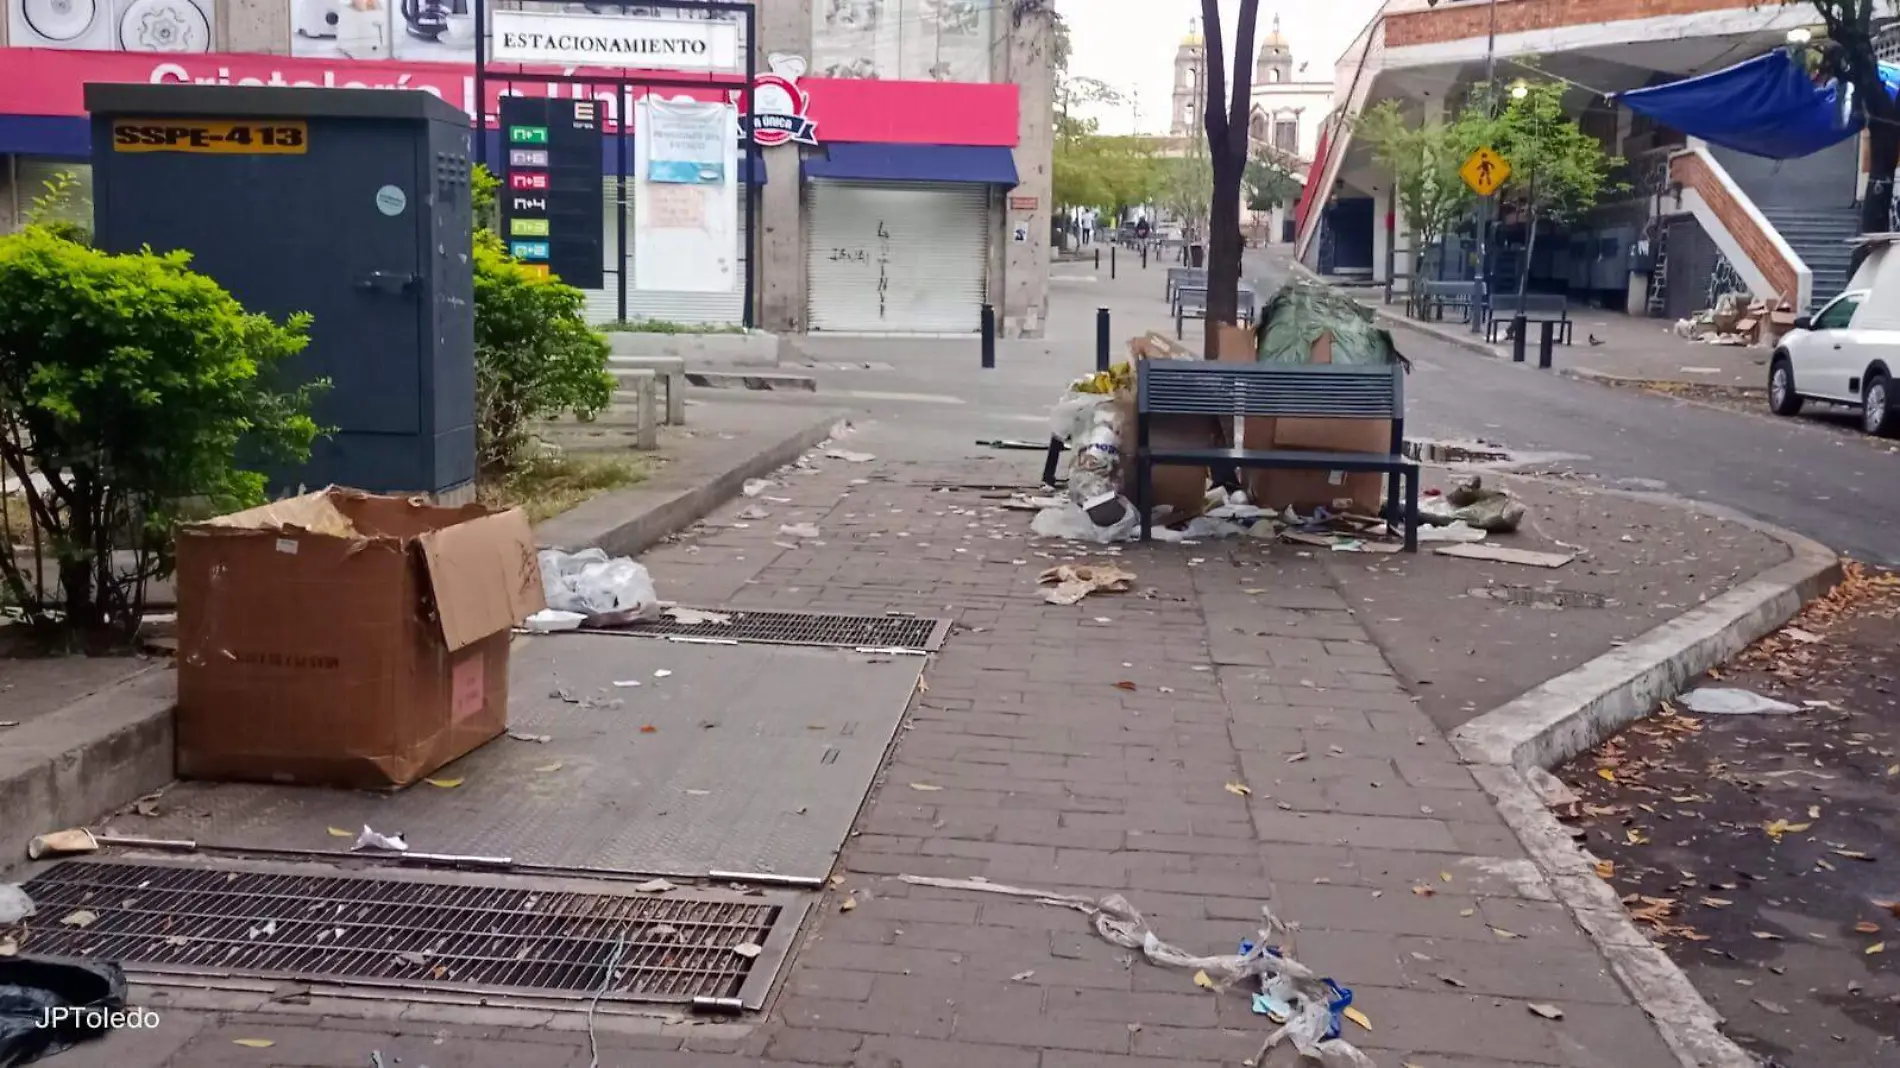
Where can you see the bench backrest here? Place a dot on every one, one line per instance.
(1507, 305)
(1323, 391)
(1195, 296)
(1451, 289)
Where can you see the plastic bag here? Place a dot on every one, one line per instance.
(1074, 413)
(14, 904)
(1070, 520)
(604, 589)
(1468, 501)
(29, 987)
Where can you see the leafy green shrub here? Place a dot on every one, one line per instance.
(128, 383)
(535, 356)
(667, 326)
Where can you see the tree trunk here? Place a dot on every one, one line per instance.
(1227, 133)
(1876, 208)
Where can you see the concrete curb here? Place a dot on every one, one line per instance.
(97, 754)
(1573, 712)
(628, 522)
(747, 380)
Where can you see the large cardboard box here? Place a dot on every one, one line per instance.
(1306, 490)
(1182, 489)
(346, 639)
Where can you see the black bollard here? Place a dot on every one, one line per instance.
(989, 336)
(1111, 261)
(1101, 338)
(1543, 345)
(1098, 258)
(1144, 255)
(1518, 329)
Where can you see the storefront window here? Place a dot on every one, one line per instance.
(906, 40)
(35, 182)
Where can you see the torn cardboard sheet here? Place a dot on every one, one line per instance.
(1499, 554)
(1069, 583)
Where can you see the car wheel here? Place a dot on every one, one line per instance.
(1876, 413)
(1782, 399)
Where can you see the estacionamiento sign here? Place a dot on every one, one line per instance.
(614, 41)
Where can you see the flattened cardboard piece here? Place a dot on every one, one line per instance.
(484, 575)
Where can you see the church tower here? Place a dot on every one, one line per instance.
(1190, 66)
(1275, 65)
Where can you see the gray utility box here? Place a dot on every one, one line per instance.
(349, 204)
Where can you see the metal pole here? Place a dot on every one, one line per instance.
(620, 196)
(751, 156)
(1488, 205)
(989, 336)
(1144, 255)
(1111, 261)
(1098, 258)
(481, 88)
(1101, 339)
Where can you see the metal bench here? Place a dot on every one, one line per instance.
(1180, 276)
(1190, 302)
(1434, 297)
(1265, 390)
(1534, 307)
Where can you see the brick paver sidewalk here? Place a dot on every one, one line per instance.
(1089, 749)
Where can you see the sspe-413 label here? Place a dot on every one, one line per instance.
(281, 137)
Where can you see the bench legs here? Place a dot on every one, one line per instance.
(1411, 509)
(1144, 492)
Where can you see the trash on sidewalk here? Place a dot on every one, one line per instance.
(1500, 554)
(371, 839)
(1723, 701)
(62, 843)
(1457, 532)
(1069, 583)
(295, 615)
(1468, 500)
(609, 590)
(695, 617)
(755, 486)
(553, 621)
(848, 456)
(799, 530)
(1314, 1004)
(14, 904)
(33, 994)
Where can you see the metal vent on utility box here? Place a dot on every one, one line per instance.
(799, 628)
(368, 930)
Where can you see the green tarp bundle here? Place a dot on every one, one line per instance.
(1301, 311)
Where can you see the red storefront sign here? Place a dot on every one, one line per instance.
(40, 81)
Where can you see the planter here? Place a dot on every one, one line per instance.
(753, 349)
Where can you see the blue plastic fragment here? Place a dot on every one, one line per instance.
(1342, 997)
(1272, 1008)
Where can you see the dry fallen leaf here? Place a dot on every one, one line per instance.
(925, 787)
(1467, 912)
(1296, 758)
(1767, 936)
(547, 768)
(1771, 1007)
(1125, 685)
(1020, 976)
(1877, 947)
(1239, 789)
(1423, 891)
(1502, 933)
(1717, 903)
(80, 918)
(1201, 980)
(1357, 1017)
(446, 784)
(1854, 854)
(748, 950)
(1606, 774)
(1867, 927)
(1451, 980)
(253, 1043)
(848, 904)
(1548, 1012)
(9, 947)
(338, 832)
(648, 728)
(1605, 868)
(1635, 836)
(1890, 906)
(1444, 877)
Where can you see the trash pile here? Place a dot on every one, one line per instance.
(1308, 1008)
(590, 588)
(1736, 319)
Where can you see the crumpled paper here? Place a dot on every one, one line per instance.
(1069, 583)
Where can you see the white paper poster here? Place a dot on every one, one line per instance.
(687, 141)
(685, 233)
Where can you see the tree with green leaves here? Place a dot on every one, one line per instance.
(1423, 158)
(1558, 172)
(1269, 183)
(1228, 125)
(1186, 188)
(1847, 51)
(1108, 173)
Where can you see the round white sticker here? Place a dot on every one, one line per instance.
(391, 201)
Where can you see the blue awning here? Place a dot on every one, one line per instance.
(49, 136)
(979, 164)
(1767, 106)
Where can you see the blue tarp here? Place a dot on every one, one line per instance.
(980, 164)
(1766, 106)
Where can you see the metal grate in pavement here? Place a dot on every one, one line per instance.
(797, 628)
(672, 947)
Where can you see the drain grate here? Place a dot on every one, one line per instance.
(1548, 599)
(676, 947)
(798, 628)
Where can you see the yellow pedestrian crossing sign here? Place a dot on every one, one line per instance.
(1485, 171)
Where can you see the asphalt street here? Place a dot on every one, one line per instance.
(1794, 473)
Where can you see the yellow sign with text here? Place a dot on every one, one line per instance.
(1485, 171)
(225, 137)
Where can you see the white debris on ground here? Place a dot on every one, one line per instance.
(1723, 701)
(1307, 1007)
(607, 590)
(371, 839)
